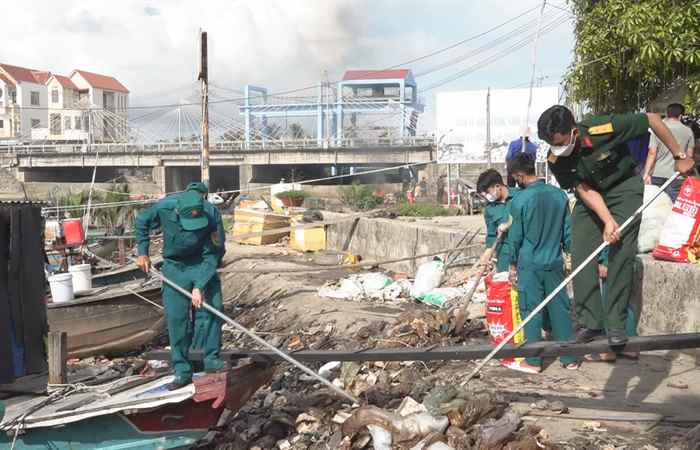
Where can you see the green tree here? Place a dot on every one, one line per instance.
(628, 52)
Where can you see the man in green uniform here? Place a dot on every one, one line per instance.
(592, 159)
(193, 246)
(630, 321)
(540, 230)
(490, 184)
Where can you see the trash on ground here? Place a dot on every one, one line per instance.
(428, 277)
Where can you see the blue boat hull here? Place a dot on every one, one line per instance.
(112, 432)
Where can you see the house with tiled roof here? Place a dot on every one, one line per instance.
(40, 105)
(23, 102)
(110, 98)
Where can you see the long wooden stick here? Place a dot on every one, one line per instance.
(461, 315)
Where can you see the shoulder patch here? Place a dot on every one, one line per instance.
(552, 158)
(601, 129)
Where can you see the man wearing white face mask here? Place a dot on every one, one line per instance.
(490, 184)
(592, 159)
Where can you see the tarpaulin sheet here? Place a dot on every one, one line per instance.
(23, 288)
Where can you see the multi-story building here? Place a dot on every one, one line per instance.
(23, 102)
(108, 102)
(39, 105)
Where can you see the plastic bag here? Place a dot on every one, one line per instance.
(441, 297)
(678, 240)
(428, 277)
(653, 218)
(372, 283)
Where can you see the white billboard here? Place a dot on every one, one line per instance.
(461, 121)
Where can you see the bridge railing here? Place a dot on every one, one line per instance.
(219, 146)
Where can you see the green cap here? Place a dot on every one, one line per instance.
(190, 207)
(198, 186)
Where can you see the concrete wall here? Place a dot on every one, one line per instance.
(40, 112)
(666, 296)
(388, 239)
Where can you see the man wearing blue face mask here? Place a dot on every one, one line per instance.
(592, 159)
(490, 185)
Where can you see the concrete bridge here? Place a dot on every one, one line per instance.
(233, 164)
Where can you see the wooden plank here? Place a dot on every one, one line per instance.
(58, 355)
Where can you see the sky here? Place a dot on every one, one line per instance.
(150, 46)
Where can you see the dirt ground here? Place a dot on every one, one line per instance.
(645, 404)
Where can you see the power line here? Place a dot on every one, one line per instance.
(503, 53)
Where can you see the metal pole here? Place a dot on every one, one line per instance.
(566, 281)
(449, 185)
(488, 126)
(256, 338)
(179, 126)
(204, 77)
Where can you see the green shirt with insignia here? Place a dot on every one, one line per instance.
(540, 228)
(203, 248)
(601, 157)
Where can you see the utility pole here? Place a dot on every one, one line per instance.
(179, 126)
(488, 126)
(327, 107)
(203, 76)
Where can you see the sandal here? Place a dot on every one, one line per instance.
(525, 368)
(572, 366)
(600, 357)
(630, 355)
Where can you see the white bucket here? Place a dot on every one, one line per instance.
(82, 277)
(61, 287)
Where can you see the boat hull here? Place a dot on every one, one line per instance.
(171, 426)
(109, 323)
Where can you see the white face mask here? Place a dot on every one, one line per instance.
(490, 197)
(564, 150)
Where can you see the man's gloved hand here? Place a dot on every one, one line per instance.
(502, 228)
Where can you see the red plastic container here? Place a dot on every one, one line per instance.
(73, 231)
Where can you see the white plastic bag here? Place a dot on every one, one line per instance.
(441, 297)
(372, 283)
(653, 219)
(428, 277)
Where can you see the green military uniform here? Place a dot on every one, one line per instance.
(193, 246)
(540, 230)
(495, 214)
(631, 320)
(603, 161)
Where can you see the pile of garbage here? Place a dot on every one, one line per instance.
(426, 287)
(286, 418)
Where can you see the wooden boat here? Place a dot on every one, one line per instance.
(110, 320)
(133, 413)
(129, 272)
